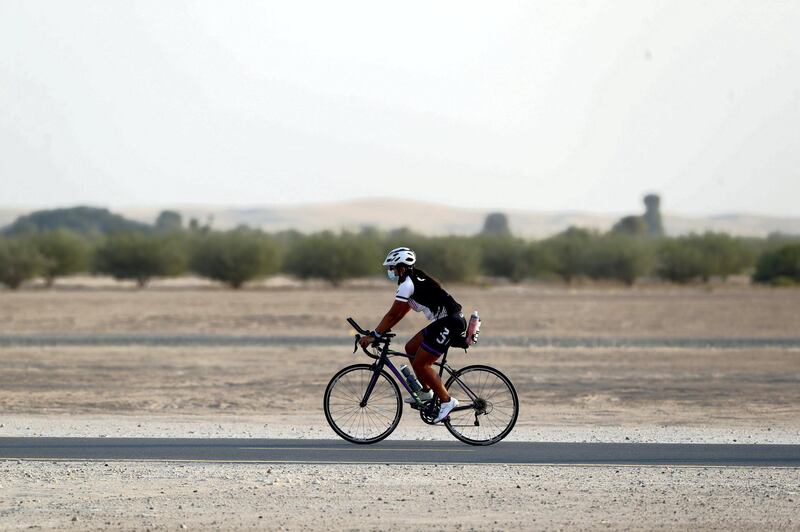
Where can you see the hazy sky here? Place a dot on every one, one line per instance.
(536, 105)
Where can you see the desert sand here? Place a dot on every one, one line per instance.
(280, 306)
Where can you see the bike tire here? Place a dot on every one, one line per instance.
(348, 419)
(481, 376)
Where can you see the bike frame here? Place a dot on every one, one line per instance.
(384, 361)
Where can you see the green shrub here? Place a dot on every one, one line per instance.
(537, 261)
(64, 253)
(579, 252)
(235, 257)
(333, 257)
(453, 258)
(702, 256)
(680, 261)
(783, 281)
(19, 261)
(618, 257)
(725, 255)
(140, 257)
(779, 267)
(502, 257)
(568, 252)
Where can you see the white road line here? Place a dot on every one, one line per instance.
(358, 449)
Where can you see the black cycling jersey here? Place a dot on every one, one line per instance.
(426, 295)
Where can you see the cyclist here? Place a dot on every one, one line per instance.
(418, 291)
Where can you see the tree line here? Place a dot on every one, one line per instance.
(237, 256)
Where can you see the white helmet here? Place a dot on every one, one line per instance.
(397, 256)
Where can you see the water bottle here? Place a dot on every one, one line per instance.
(410, 379)
(473, 329)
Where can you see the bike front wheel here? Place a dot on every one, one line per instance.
(494, 401)
(362, 424)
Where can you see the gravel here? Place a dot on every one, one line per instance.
(122, 495)
(161, 426)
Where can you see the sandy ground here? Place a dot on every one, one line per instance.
(659, 311)
(745, 395)
(707, 395)
(138, 496)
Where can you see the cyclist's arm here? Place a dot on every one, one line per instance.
(395, 314)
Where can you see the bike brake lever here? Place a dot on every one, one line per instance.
(355, 346)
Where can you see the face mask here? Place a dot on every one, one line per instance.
(392, 276)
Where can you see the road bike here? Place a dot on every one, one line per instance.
(363, 403)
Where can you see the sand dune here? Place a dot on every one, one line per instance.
(436, 219)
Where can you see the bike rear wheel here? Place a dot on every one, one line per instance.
(342, 404)
(495, 407)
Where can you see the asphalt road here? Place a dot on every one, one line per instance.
(395, 452)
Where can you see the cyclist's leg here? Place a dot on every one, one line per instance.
(423, 367)
(412, 346)
(431, 343)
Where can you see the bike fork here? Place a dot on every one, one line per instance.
(371, 385)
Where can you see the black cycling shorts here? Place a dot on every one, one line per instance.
(444, 332)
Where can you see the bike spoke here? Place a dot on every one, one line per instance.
(346, 419)
(350, 389)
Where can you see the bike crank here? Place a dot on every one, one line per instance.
(429, 411)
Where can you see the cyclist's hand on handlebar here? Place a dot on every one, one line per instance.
(366, 341)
